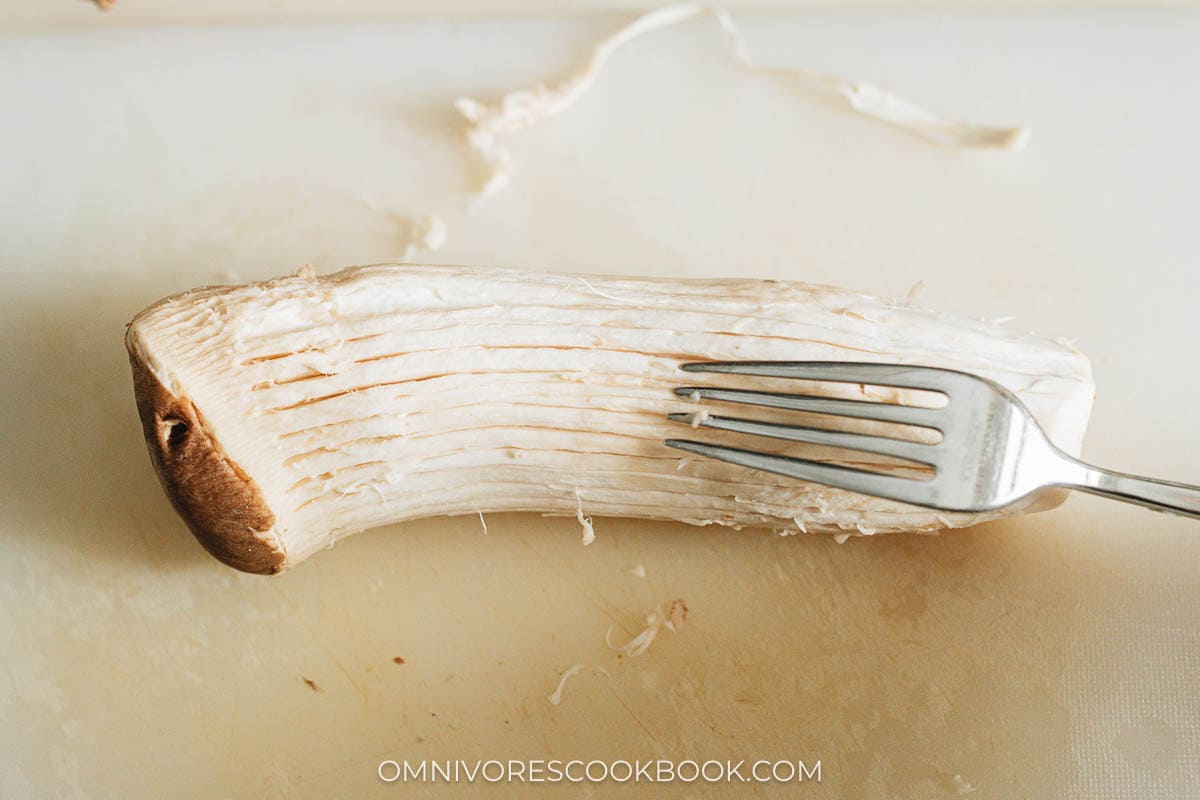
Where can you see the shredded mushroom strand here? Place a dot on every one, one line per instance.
(589, 532)
(873, 101)
(482, 521)
(961, 786)
(417, 234)
(656, 620)
(556, 697)
(524, 108)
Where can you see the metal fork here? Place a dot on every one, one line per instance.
(992, 453)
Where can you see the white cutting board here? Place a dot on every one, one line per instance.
(1051, 656)
(78, 13)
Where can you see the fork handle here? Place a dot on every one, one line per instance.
(1168, 496)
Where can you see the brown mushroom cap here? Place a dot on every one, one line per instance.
(220, 503)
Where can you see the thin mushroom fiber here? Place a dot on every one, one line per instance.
(489, 123)
(282, 416)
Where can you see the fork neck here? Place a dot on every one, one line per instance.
(1159, 495)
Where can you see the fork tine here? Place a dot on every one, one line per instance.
(892, 487)
(860, 409)
(879, 445)
(899, 375)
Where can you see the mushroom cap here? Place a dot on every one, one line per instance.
(221, 504)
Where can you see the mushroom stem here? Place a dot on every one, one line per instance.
(284, 415)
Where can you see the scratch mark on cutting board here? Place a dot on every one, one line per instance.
(712, 720)
(361, 691)
(653, 737)
(300, 780)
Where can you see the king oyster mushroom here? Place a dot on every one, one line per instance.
(282, 416)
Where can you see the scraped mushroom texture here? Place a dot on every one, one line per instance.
(282, 416)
